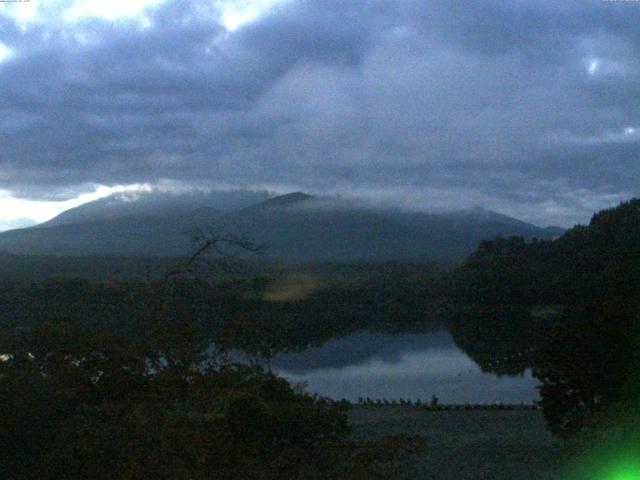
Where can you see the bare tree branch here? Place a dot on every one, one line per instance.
(215, 239)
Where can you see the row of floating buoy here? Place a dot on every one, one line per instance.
(435, 406)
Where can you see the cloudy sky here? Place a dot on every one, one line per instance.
(531, 108)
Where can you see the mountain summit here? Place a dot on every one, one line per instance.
(283, 201)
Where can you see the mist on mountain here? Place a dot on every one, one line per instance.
(294, 227)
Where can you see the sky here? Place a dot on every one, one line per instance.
(530, 108)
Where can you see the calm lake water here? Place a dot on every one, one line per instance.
(411, 366)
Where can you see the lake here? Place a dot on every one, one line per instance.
(409, 365)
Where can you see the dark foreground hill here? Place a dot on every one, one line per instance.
(294, 227)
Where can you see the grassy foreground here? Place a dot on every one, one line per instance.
(467, 445)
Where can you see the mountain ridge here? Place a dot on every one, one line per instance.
(294, 227)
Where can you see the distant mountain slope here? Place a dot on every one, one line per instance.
(293, 227)
(158, 204)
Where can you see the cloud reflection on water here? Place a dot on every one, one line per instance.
(444, 371)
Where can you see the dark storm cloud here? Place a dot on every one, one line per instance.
(528, 107)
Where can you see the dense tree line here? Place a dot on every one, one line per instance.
(239, 310)
(595, 262)
(588, 282)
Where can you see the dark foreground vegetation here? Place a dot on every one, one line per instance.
(82, 402)
(135, 378)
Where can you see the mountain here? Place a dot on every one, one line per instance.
(293, 227)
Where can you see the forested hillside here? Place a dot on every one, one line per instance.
(597, 261)
(573, 316)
